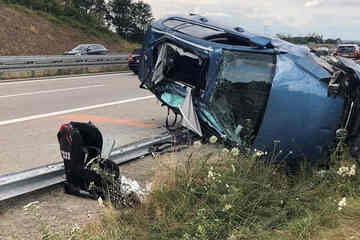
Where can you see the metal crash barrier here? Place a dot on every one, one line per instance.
(23, 63)
(19, 183)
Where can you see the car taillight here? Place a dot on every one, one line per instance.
(130, 57)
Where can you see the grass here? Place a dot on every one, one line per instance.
(212, 194)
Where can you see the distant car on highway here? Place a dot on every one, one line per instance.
(134, 60)
(322, 51)
(348, 50)
(88, 49)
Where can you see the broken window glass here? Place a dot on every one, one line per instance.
(198, 31)
(176, 64)
(241, 93)
(173, 23)
(230, 39)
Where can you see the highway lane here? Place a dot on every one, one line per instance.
(31, 113)
(35, 97)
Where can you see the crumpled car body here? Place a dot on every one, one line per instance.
(248, 89)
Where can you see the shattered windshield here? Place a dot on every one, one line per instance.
(241, 93)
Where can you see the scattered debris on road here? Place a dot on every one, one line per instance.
(87, 173)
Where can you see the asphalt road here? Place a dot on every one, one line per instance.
(31, 113)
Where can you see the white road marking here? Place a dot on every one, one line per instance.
(23, 119)
(51, 91)
(63, 78)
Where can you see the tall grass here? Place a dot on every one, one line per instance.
(209, 194)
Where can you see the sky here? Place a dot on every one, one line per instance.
(331, 18)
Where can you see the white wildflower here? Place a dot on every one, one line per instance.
(210, 174)
(225, 150)
(75, 228)
(352, 171)
(341, 171)
(321, 173)
(227, 207)
(213, 139)
(342, 203)
(100, 202)
(347, 171)
(197, 144)
(235, 151)
(259, 153)
(227, 185)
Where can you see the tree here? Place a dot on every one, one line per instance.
(120, 16)
(310, 38)
(142, 15)
(130, 19)
(89, 7)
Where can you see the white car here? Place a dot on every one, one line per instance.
(348, 50)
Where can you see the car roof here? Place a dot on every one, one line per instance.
(90, 44)
(348, 45)
(207, 24)
(322, 49)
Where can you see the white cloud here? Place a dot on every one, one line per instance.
(313, 3)
(335, 18)
(216, 14)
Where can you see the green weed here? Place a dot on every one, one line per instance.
(216, 194)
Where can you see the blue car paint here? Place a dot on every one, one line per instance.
(299, 116)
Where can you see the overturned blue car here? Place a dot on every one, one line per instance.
(251, 90)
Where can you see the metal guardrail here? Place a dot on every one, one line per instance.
(19, 183)
(18, 63)
(15, 184)
(138, 149)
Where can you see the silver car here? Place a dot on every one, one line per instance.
(88, 49)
